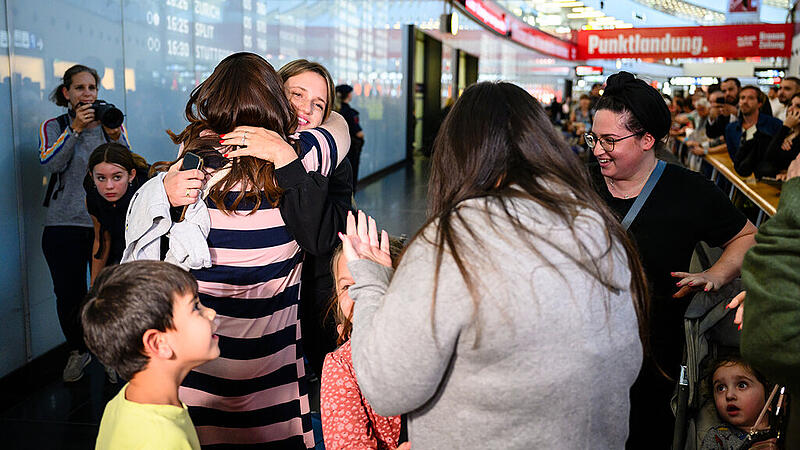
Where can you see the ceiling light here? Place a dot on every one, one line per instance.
(562, 4)
(585, 15)
(549, 20)
(605, 19)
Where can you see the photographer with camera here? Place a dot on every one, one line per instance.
(65, 143)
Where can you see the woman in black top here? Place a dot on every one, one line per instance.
(683, 209)
(115, 173)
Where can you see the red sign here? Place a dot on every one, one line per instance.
(490, 14)
(541, 41)
(730, 41)
(495, 18)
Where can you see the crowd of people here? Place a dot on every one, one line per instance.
(541, 303)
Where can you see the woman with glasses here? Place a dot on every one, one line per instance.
(682, 209)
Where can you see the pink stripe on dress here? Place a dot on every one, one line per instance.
(210, 435)
(253, 257)
(235, 369)
(258, 291)
(255, 328)
(262, 399)
(261, 219)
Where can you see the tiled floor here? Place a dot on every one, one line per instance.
(67, 416)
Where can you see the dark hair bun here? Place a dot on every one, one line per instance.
(644, 102)
(618, 82)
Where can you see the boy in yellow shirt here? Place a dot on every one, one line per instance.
(144, 320)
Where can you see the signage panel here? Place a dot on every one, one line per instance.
(582, 71)
(730, 41)
(497, 19)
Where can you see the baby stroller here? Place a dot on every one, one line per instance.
(710, 333)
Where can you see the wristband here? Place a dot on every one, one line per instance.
(73, 132)
(705, 151)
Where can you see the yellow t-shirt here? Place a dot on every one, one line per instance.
(131, 425)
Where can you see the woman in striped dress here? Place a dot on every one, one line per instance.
(254, 394)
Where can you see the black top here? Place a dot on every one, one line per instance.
(314, 209)
(351, 116)
(775, 159)
(683, 209)
(111, 215)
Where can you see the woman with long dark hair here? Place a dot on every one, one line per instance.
(513, 317)
(239, 122)
(65, 143)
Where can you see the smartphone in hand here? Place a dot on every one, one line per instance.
(191, 161)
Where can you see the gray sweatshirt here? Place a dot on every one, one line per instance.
(69, 153)
(557, 355)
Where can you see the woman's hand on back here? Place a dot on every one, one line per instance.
(361, 241)
(259, 143)
(183, 187)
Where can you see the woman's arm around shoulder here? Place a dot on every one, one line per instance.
(340, 133)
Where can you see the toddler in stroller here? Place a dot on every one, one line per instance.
(710, 335)
(739, 395)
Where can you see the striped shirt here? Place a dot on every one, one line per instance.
(255, 393)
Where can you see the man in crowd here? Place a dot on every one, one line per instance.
(789, 87)
(751, 124)
(724, 113)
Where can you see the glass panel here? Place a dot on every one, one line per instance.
(12, 333)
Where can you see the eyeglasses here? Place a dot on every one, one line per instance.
(606, 143)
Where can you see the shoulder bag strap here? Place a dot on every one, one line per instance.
(642, 198)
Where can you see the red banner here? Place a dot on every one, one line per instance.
(495, 18)
(729, 41)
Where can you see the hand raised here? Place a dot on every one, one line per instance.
(361, 240)
(792, 118)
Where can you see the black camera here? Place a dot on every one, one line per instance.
(109, 115)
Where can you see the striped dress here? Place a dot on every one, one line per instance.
(255, 393)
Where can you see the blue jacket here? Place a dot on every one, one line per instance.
(733, 132)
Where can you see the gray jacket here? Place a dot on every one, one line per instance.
(148, 219)
(557, 351)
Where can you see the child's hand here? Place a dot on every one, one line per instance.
(738, 303)
(361, 241)
(404, 446)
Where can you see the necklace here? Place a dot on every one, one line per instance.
(638, 186)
